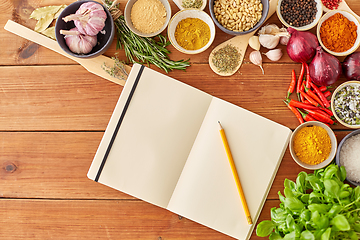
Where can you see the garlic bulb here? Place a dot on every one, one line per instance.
(79, 43)
(254, 43)
(284, 39)
(269, 29)
(89, 18)
(274, 55)
(269, 41)
(256, 58)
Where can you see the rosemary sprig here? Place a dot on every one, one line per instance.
(145, 50)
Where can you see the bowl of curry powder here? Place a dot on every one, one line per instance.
(313, 145)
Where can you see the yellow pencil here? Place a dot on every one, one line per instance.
(236, 176)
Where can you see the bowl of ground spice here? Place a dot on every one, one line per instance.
(338, 32)
(348, 156)
(191, 31)
(301, 15)
(147, 18)
(313, 145)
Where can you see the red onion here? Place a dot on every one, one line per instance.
(324, 69)
(351, 66)
(301, 46)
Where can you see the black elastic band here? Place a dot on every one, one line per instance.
(119, 123)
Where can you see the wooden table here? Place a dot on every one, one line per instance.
(53, 114)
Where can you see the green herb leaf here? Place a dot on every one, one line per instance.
(264, 228)
(341, 222)
(307, 235)
(332, 187)
(275, 236)
(326, 234)
(294, 204)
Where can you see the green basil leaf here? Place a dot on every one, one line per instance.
(344, 194)
(264, 228)
(294, 204)
(305, 215)
(330, 171)
(315, 183)
(300, 182)
(353, 235)
(342, 173)
(275, 236)
(307, 235)
(288, 192)
(305, 198)
(341, 222)
(290, 236)
(321, 208)
(290, 223)
(289, 184)
(335, 209)
(326, 234)
(281, 197)
(332, 187)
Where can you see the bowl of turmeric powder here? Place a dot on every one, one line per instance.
(338, 32)
(313, 145)
(191, 31)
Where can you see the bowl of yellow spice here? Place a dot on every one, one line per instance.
(313, 145)
(191, 31)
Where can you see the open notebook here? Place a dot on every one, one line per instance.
(163, 145)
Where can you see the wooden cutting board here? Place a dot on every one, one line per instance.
(93, 65)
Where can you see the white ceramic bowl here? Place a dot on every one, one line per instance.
(355, 83)
(318, 15)
(127, 16)
(190, 13)
(349, 16)
(332, 151)
(338, 154)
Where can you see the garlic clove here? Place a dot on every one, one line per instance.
(284, 40)
(269, 41)
(256, 58)
(274, 55)
(269, 29)
(254, 43)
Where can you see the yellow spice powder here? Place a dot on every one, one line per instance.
(148, 16)
(192, 33)
(312, 145)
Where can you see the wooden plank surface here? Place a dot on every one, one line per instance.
(54, 113)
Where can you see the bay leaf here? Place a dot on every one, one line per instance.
(42, 12)
(49, 32)
(59, 11)
(44, 23)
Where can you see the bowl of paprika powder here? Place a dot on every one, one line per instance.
(313, 145)
(338, 32)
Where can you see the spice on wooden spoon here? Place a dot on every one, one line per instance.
(241, 43)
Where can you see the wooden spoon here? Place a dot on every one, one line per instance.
(343, 6)
(240, 42)
(93, 65)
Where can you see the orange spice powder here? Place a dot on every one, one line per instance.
(337, 33)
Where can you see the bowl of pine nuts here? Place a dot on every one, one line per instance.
(238, 17)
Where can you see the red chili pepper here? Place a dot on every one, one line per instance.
(296, 112)
(324, 88)
(292, 83)
(298, 104)
(327, 111)
(320, 94)
(306, 116)
(320, 116)
(308, 78)
(300, 79)
(314, 96)
(307, 97)
(327, 93)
